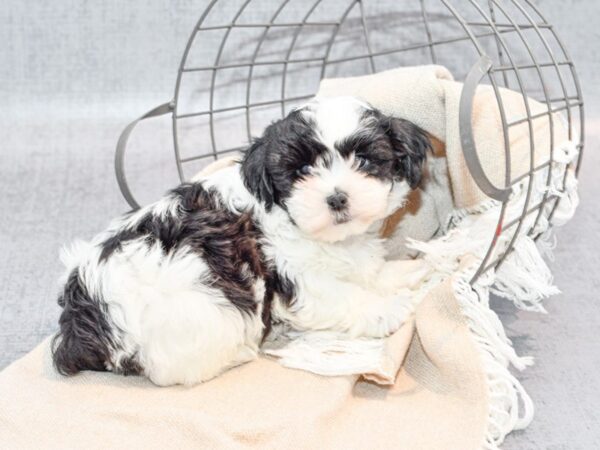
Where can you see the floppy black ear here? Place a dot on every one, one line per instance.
(256, 175)
(410, 144)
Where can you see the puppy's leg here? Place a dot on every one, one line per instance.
(324, 303)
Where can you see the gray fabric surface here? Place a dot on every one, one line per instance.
(73, 73)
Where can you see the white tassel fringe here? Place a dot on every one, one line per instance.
(510, 407)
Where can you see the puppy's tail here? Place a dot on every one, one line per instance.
(75, 254)
(84, 339)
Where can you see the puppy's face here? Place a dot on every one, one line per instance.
(336, 166)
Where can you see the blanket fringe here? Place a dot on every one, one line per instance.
(524, 277)
(325, 353)
(511, 408)
(457, 215)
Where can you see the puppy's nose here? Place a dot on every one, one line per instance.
(338, 201)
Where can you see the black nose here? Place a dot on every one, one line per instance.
(338, 201)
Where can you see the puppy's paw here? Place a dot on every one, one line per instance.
(402, 274)
(391, 318)
(399, 312)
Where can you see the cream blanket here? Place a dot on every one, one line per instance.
(261, 404)
(446, 371)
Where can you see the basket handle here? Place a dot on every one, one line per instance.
(160, 110)
(477, 72)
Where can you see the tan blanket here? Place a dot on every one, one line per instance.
(439, 397)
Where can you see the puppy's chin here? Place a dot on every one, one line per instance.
(368, 201)
(336, 232)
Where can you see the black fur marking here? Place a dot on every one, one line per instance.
(129, 366)
(84, 341)
(113, 243)
(227, 242)
(267, 307)
(273, 162)
(284, 289)
(279, 285)
(411, 145)
(394, 149)
(373, 147)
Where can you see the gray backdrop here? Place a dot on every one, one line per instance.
(74, 72)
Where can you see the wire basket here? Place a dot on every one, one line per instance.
(248, 63)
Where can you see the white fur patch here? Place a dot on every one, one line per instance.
(335, 118)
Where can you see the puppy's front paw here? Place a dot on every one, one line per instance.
(390, 319)
(402, 274)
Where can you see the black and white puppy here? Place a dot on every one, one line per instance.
(187, 287)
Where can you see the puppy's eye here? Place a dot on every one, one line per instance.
(304, 170)
(363, 163)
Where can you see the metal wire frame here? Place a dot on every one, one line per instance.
(477, 23)
(517, 73)
(519, 221)
(497, 31)
(539, 207)
(362, 56)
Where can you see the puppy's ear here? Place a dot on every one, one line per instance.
(256, 175)
(410, 144)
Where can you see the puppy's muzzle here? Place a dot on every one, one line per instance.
(338, 201)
